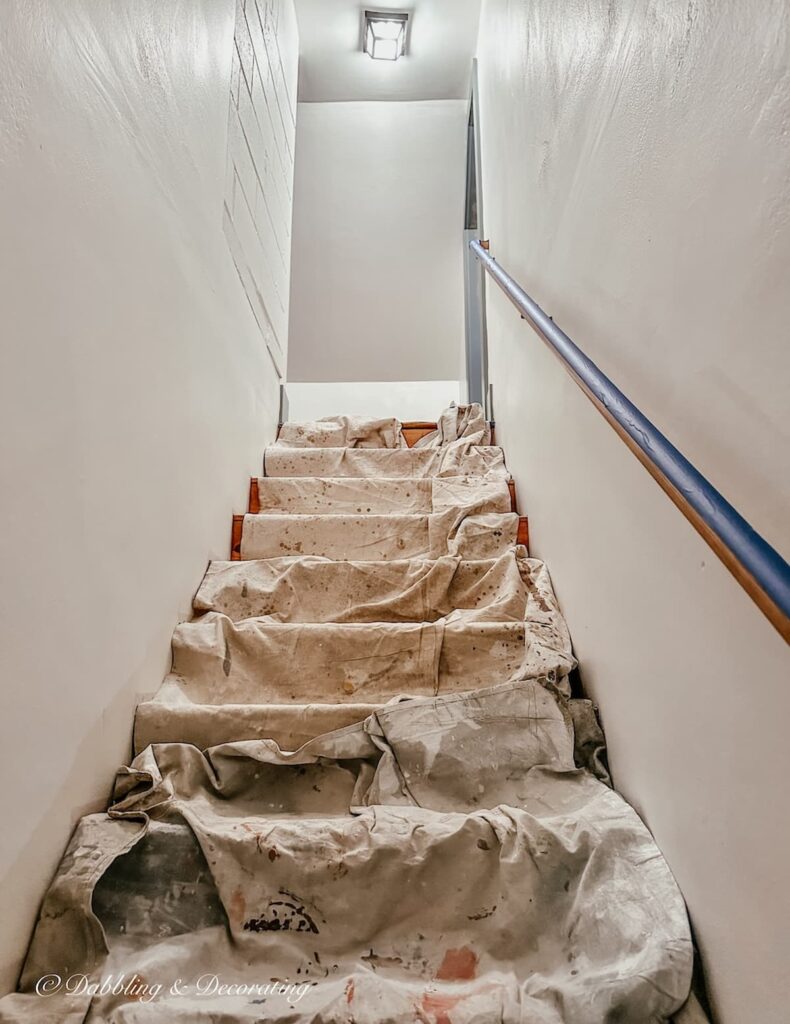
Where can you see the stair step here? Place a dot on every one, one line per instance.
(367, 495)
(258, 661)
(463, 460)
(341, 432)
(292, 681)
(283, 539)
(237, 678)
(313, 589)
(376, 537)
(290, 726)
(163, 887)
(384, 433)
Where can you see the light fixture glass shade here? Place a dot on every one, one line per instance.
(385, 35)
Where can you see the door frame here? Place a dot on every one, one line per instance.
(474, 383)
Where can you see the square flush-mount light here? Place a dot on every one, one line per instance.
(385, 34)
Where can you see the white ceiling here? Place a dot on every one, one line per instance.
(441, 44)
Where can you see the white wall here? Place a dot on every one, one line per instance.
(635, 161)
(403, 399)
(136, 390)
(259, 168)
(377, 279)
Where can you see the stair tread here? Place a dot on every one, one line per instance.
(380, 537)
(380, 462)
(206, 725)
(215, 659)
(315, 589)
(458, 422)
(341, 431)
(380, 495)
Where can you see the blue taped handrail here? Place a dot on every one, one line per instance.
(758, 567)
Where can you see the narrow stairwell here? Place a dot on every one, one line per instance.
(366, 792)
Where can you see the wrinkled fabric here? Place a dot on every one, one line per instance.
(548, 899)
(217, 662)
(347, 495)
(380, 537)
(341, 432)
(459, 421)
(460, 459)
(364, 790)
(465, 421)
(261, 661)
(315, 589)
(312, 633)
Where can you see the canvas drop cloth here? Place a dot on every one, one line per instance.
(333, 640)
(341, 432)
(549, 901)
(456, 423)
(395, 496)
(365, 792)
(316, 589)
(461, 458)
(380, 537)
(465, 421)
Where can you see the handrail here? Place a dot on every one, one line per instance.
(760, 570)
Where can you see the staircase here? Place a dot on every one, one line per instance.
(366, 791)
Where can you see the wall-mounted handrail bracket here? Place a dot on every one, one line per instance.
(760, 569)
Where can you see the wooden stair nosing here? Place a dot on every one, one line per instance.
(416, 429)
(413, 432)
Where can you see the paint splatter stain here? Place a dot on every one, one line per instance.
(482, 915)
(437, 1008)
(237, 905)
(376, 961)
(458, 965)
(282, 916)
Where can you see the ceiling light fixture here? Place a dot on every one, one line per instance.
(385, 34)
